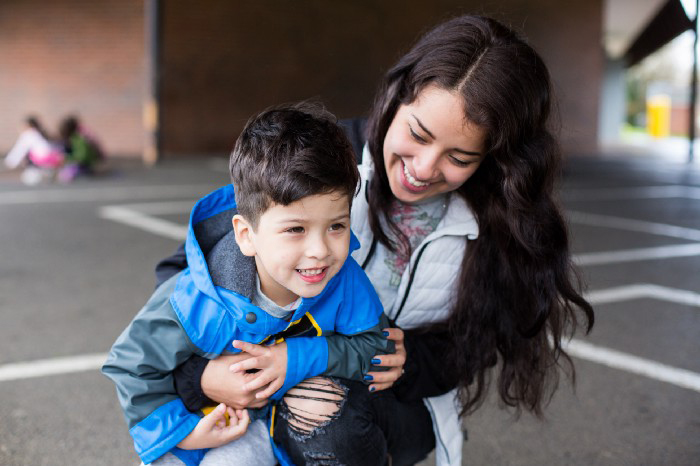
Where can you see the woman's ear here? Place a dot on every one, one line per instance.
(244, 232)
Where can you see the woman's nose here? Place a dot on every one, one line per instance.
(425, 164)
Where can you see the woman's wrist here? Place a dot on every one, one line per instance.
(188, 383)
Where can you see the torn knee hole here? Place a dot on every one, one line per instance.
(313, 404)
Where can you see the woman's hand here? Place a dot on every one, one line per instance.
(224, 386)
(385, 379)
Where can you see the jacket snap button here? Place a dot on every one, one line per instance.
(251, 317)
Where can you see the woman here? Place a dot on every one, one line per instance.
(465, 245)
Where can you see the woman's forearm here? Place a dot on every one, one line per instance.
(426, 372)
(188, 383)
(200, 382)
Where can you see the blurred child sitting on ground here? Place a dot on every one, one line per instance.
(37, 151)
(83, 152)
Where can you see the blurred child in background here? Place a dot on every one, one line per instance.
(37, 151)
(82, 150)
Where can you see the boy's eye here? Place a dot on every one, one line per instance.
(416, 136)
(337, 227)
(295, 230)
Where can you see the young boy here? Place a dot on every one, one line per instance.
(268, 265)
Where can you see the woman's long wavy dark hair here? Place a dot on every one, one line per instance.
(518, 292)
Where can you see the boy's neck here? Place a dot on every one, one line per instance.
(284, 302)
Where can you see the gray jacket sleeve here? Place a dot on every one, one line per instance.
(350, 356)
(144, 356)
(343, 355)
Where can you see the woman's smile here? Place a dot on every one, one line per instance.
(411, 183)
(430, 147)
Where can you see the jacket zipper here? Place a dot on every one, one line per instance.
(437, 428)
(410, 280)
(372, 247)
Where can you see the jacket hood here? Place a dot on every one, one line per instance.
(209, 238)
(219, 270)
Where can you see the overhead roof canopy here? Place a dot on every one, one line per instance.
(633, 29)
(623, 20)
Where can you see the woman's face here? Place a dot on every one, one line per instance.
(430, 147)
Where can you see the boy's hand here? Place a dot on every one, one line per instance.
(211, 431)
(271, 362)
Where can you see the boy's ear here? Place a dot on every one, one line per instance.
(243, 231)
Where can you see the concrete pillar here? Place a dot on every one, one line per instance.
(612, 102)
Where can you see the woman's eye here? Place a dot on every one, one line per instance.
(460, 162)
(337, 227)
(417, 136)
(295, 230)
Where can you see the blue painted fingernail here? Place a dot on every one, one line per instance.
(369, 377)
(376, 361)
(385, 333)
(371, 389)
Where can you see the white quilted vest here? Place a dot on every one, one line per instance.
(425, 294)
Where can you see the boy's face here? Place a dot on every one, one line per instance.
(298, 248)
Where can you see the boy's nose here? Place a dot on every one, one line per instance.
(317, 248)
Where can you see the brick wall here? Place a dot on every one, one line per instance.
(680, 119)
(73, 56)
(223, 61)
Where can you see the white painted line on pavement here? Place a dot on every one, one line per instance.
(620, 223)
(641, 254)
(135, 215)
(104, 193)
(576, 348)
(55, 366)
(643, 291)
(579, 349)
(145, 222)
(159, 208)
(633, 364)
(643, 192)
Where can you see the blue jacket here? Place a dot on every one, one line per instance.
(202, 310)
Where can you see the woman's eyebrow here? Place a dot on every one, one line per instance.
(461, 151)
(467, 152)
(420, 123)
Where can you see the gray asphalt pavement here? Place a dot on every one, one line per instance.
(76, 263)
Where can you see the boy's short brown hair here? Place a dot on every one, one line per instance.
(287, 153)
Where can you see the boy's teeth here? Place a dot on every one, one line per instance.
(411, 180)
(310, 272)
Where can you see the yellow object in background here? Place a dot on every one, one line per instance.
(659, 116)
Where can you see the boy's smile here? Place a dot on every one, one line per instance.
(299, 247)
(313, 275)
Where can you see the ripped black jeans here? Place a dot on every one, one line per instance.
(329, 421)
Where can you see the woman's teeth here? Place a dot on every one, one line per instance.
(310, 272)
(411, 180)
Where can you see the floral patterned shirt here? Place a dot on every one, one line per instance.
(416, 221)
